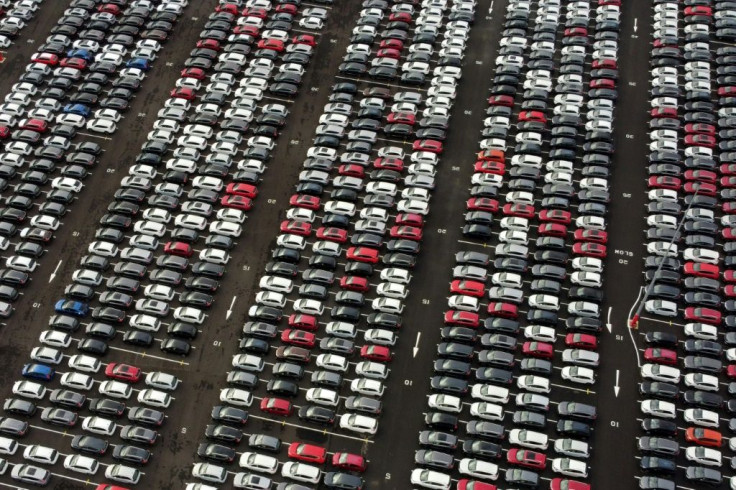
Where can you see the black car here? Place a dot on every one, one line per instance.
(316, 414)
(106, 406)
(264, 443)
(89, 444)
(138, 434)
(230, 415)
(132, 454)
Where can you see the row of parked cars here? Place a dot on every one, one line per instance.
(42, 115)
(14, 15)
(356, 214)
(493, 169)
(689, 247)
(40, 375)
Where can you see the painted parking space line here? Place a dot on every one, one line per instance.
(143, 354)
(323, 431)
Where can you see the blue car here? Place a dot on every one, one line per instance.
(69, 307)
(40, 372)
(140, 63)
(79, 109)
(80, 53)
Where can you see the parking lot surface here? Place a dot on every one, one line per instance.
(260, 211)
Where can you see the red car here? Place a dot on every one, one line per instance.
(488, 167)
(4, 132)
(182, 93)
(664, 182)
(482, 204)
(401, 118)
(565, 483)
(704, 437)
(197, 73)
(304, 201)
(731, 371)
(661, 356)
(230, 8)
(355, 283)
(45, 59)
(212, 44)
(729, 207)
(575, 31)
(658, 112)
(307, 452)
(432, 146)
(378, 353)
(247, 30)
(491, 155)
(391, 43)
(301, 228)
(701, 269)
(363, 254)
(241, 189)
(663, 43)
(351, 170)
(728, 234)
(272, 44)
(705, 140)
(38, 125)
(123, 372)
(503, 310)
(602, 83)
(552, 229)
(286, 8)
(725, 91)
(699, 10)
(465, 484)
(556, 216)
(462, 318)
(701, 128)
(77, 63)
(529, 459)
(543, 350)
(727, 168)
(409, 219)
(730, 290)
(729, 181)
(349, 462)
(254, 12)
(181, 249)
(406, 232)
(300, 338)
(109, 8)
(389, 164)
(605, 63)
(389, 53)
(502, 100)
(701, 175)
(236, 202)
(518, 209)
(588, 249)
(400, 17)
(581, 341)
(307, 39)
(705, 315)
(332, 234)
(729, 275)
(468, 287)
(276, 406)
(702, 188)
(303, 321)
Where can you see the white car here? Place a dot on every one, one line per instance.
(77, 381)
(154, 398)
(322, 396)
(236, 397)
(55, 338)
(81, 464)
(431, 479)
(701, 417)
(588, 264)
(163, 381)
(99, 425)
(332, 362)
(659, 408)
(106, 126)
(115, 389)
(380, 336)
(300, 472)
(528, 438)
(571, 447)
(463, 302)
(358, 423)
(370, 387)
(87, 364)
(578, 374)
(41, 454)
(536, 384)
(160, 292)
(570, 467)
(490, 393)
(703, 455)
(658, 372)
(276, 284)
(45, 222)
(66, 184)
(258, 462)
(701, 331)
(446, 403)
(478, 468)
(540, 333)
(210, 472)
(29, 389)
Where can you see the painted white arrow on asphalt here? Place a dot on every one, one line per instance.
(635, 26)
(616, 388)
(53, 274)
(608, 321)
(416, 344)
(230, 310)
